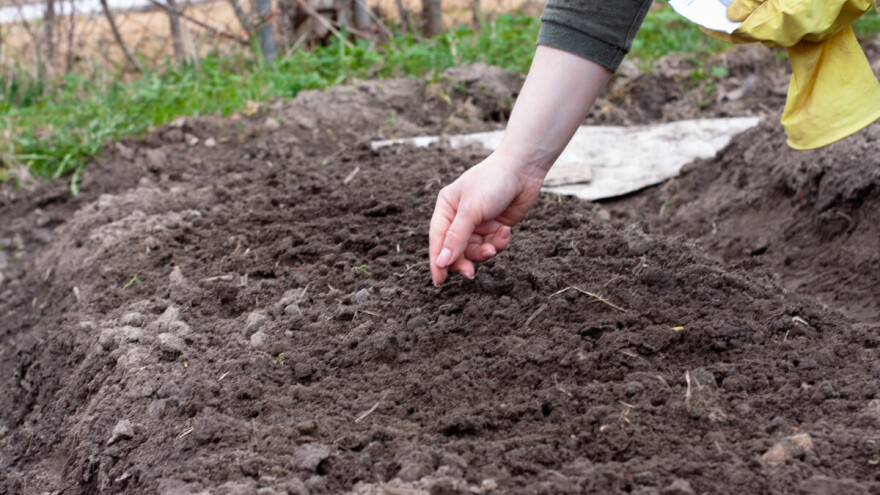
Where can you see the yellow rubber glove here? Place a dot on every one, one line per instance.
(833, 91)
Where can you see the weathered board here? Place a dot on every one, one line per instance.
(604, 162)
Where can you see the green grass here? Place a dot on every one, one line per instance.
(53, 132)
(868, 24)
(54, 128)
(665, 32)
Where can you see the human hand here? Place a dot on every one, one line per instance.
(474, 214)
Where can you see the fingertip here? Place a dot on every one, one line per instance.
(444, 258)
(465, 268)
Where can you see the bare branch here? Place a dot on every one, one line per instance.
(243, 18)
(131, 60)
(323, 20)
(202, 25)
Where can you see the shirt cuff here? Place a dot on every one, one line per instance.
(581, 44)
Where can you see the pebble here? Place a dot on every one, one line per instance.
(271, 124)
(302, 371)
(177, 279)
(170, 344)
(310, 456)
(122, 431)
(258, 340)
(255, 320)
(210, 142)
(789, 448)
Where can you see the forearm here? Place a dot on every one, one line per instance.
(558, 93)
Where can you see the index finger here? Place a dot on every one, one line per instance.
(441, 220)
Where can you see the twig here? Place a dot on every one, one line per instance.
(687, 395)
(363, 416)
(350, 177)
(559, 387)
(206, 27)
(185, 433)
(320, 18)
(535, 315)
(598, 298)
(118, 37)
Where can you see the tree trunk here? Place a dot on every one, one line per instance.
(176, 34)
(49, 27)
(432, 13)
(267, 34)
(68, 64)
(361, 15)
(478, 16)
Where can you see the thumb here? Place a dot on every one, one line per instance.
(456, 238)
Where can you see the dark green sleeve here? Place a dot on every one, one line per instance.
(598, 30)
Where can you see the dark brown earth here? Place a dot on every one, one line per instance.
(811, 217)
(257, 317)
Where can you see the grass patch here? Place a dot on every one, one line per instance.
(665, 32)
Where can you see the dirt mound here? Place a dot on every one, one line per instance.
(813, 217)
(256, 316)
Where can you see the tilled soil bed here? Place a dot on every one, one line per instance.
(812, 217)
(257, 317)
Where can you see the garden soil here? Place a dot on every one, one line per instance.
(243, 306)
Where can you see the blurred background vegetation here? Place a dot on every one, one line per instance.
(76, 74)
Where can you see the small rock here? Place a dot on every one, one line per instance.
(122, 431)
(789, 448)
(489, 484)
(258, 340)
(107, 340)
(294, 486)
(156, 158)
(310, 456)
(679, 487)
(170, 345)
(380, 345)
(302, 371)
(124, 151)
(190, 139)
(133, 318)
(645, 478)
(210, 142)
(360, 296)
(417, 322)
(177, 279)
(271, 124)
(308, 427)
(255, 320)
(823, 485)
